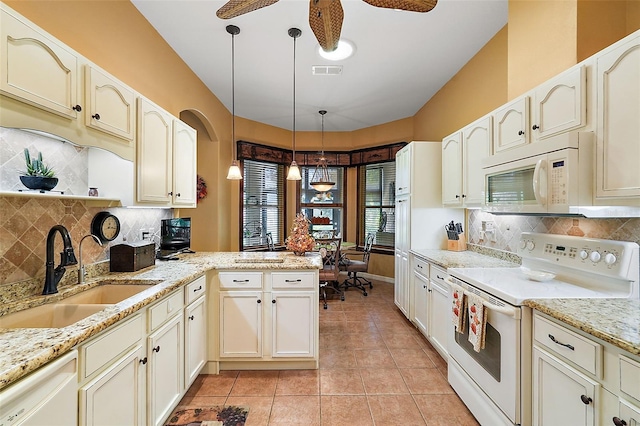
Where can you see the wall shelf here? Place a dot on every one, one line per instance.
(89, 201)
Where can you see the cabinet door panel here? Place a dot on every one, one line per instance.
(165, 370)
(292, 317)
(26, 56)
(240, 324)
(439, 317)
(184, 164)
(511, 125)
(618, 128)
(421, 300)
(153, 154)
(115, 397)
(110, 104)
(476, 146)
(560, 104)
(195, 335)
(452, 170)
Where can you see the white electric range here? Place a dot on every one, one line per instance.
(495, 383)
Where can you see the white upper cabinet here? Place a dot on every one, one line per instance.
(153, 154)
(26, 55)
(185, 142)
(559, 105)
(110, 105)
(452, 170)
(618, 123)
(403, 171)
(462, 154)
(511, 125)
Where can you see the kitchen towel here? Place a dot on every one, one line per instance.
(477, 322)
(457, 307)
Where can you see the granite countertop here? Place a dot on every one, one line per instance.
(23, 350)
(616, 321)
(462, 259)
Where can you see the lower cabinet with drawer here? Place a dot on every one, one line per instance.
(579, 379)
(265, 318)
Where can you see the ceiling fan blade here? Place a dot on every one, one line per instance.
(234, 8)
(410, 5)
(325, 19)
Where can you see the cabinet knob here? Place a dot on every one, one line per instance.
(191, 317)
(77, 108)
(457, 196)
(586, 400)
(424, 286)
(535, 127)
(143, 361)
(619, 422)
(273, 301)
(259, 301)
(171, 193)
(156, 349)
(178, 194)
(96, 116)
(521, 132)
(464, 196)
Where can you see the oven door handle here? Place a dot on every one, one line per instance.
(507, 310)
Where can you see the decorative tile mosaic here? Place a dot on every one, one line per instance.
(509, 228)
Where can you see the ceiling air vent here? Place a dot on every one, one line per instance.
(326, 69)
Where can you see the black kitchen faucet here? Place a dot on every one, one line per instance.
(67, 257)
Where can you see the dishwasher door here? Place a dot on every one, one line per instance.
(46, 397)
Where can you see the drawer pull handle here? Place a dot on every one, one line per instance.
(197, 289)
(586, 400)
(566, 345)
(143, 361)
(240, 281)
(156, 349)
(439, 277)
(293, 281)
(191, 317)
(619, 422)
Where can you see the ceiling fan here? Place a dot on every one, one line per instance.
(325, 16)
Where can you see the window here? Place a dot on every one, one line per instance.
(262, 204)
(377, 202)
(323, 209)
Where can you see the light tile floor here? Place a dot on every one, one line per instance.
(375, 369)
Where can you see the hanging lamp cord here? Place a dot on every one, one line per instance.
(294, 98)
(233, 94)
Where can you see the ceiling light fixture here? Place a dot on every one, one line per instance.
(234, 169)
(345, 50)
(294, 170)
(321, 181)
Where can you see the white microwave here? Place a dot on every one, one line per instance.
(553, 177)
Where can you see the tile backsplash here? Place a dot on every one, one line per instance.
(509, 228)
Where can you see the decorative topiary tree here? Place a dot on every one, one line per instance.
(300, 241)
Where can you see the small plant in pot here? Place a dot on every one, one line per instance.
(38, 175)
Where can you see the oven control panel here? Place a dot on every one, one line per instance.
(605, 257)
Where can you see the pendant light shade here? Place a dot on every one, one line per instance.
(234, 170)
(321, 181)
(294, 170)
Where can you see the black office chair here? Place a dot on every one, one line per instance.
(330, 272)
(354, 266)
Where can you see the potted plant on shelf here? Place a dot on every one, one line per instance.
(38, 175)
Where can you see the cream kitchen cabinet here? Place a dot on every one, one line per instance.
(110, 105)
(560, 104)
(195, 330)
(618, 129)
(27, 54)
(511, 123)
(266, 317)
(402, 247)
(165, 158)
(403, 172)
(421, 289)
(462, 154)
(439, 311)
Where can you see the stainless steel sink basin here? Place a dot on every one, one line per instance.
(53, 315)
(106, 294)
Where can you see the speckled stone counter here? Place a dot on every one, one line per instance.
(23, 350)
(616, 321)
(462, 259)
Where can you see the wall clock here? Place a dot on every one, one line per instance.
(105, 226)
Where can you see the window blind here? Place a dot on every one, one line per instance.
(377, 202)
(323, 209)
(262, 203)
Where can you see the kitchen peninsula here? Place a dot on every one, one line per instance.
(23, 350)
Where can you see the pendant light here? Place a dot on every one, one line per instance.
(294, 170)
(321, 181)
(234, 169)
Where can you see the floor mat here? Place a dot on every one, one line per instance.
(231, 415)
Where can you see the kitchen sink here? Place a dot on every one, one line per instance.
(106, 294)
(53, 315)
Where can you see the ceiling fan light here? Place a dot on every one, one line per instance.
(322, 186)
(294, 172)
(345, 50)
(234, 171)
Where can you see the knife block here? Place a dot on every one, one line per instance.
(457, 245)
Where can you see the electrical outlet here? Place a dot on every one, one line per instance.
(482, 235)
(144, 234)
